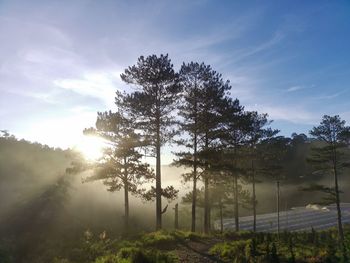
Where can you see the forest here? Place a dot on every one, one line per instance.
(58, 206)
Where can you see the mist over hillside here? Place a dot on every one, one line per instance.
(39, 200)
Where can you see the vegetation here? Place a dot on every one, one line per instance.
(288, 247)
(221, 148)
(178, 246)
(151, 107)
(331, 157)
(121, 165)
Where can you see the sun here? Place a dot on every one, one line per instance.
(91, 147)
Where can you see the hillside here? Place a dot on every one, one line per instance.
(178, 246)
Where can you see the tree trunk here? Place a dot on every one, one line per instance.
(221, 218)
(337, 200)
(206, 204)
(278, 207)
(254, 197)
(209, 216)
(176, 216)
(126, 207)
(194, 190)
(126, 197)
(235, 190)
(235, 183)
(206, 191)
(194, 202)
(158, 181)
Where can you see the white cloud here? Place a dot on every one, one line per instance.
(329, 96)
(101, 85)
(295, 88)
(293, 114)
(274, 40)
(57, 50)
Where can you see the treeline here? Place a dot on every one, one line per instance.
(33, 193)
(221, 144)
(44, 211)
(228, 154)
(26, 169)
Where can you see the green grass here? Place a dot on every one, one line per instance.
(307, 247)
(138, 255)
(240, 247)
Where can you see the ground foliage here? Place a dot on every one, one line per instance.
(180, 246)
(300, 247)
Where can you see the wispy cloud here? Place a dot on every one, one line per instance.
(70, 56)
(101, 85)
(295, 88)
(300, 87)
(329, 96)
(290, 113)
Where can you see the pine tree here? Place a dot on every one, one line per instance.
(121, 166)
(152, 106)
(213, 98)
(222, 196)
(330, 157)
(233, 138)
(273, 158)
(193, 78)
(204, 92)
(256, 133)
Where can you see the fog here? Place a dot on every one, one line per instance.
(41, 202)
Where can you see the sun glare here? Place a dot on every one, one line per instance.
(91, 147)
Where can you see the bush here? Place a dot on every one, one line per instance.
(274, 257)
(231, 251)
(251, 250)
(238, 235)
(159, 238)
(139, 255)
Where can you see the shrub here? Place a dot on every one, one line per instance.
(238, 235)
(139, 255)
(159, 238)
(251, 250)
(274, 257)
(231, 251)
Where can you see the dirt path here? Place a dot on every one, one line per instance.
(196, 251)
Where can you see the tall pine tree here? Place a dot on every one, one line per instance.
(193, 78)
(204, 94)
(256, 133)
(213, 97)
(273, 155)
(234, 137)
(331, 156)
(152, 106)
(120, 166)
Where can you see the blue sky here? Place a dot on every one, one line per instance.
(60, 61)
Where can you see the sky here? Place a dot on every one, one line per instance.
(60, 61)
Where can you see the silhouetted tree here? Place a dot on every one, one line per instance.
(233, 137)
(273, 157)
(213, 99)
(152, 106)
(194, 78)
(120, 166)
(223, 195)
(204, 94)
(257, 132)
(331, 157)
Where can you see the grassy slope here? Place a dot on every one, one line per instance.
(178, 246)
